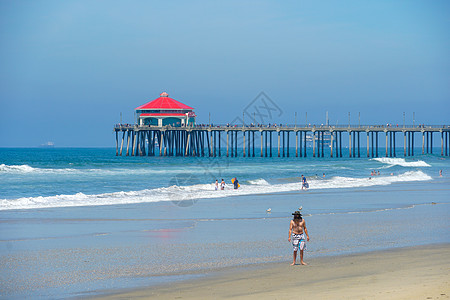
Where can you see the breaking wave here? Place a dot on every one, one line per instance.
(401, 162)
(201, 191)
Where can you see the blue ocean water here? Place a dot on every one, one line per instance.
(43, 178)
(88, 221)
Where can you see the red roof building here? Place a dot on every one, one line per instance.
(165, 111)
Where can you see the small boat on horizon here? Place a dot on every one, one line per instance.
(48, 145)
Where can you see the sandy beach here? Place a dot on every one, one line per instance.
(227, 246)
(408, 273)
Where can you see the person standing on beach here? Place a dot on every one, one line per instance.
(217, 185)
(297, 231)
(222, 185)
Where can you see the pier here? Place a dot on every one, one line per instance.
(271, 141)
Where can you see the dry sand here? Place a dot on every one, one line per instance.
(408, 273)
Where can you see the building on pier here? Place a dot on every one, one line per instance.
(165, 111)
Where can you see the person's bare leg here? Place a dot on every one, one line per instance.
(295, 258)
(301, 258)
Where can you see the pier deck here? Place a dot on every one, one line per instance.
(207, 140)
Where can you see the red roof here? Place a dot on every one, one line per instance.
(164, 102)
(162, 114)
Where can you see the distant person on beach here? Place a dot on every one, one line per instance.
(304, 183)
(236, 183)
(216, 185)
(323, 175)
(297, 231)
(440, 173)
(222, 185)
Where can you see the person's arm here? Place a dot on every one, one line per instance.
(306, 231)
(290, 231)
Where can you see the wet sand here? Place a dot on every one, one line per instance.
(421, 272)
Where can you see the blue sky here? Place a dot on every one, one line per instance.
(69, 68)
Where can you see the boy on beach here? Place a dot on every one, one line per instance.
(297, 229)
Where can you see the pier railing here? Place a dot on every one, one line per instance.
(281, 127)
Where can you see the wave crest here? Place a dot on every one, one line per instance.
(401, 162)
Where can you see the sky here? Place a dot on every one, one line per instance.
(70, 69)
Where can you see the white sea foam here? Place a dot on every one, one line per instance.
(259, 181)
(201, 191)
(26, 169)
(401, 162)
(16, 168)
(21, 169)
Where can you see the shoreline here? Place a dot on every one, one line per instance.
(419, 272)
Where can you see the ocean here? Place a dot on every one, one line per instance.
(79, 222)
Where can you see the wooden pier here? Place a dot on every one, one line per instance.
(219, 141)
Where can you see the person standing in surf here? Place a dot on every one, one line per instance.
(236, 183)
(297, 231)
(304, 183)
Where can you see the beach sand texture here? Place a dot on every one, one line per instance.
(421, 272)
